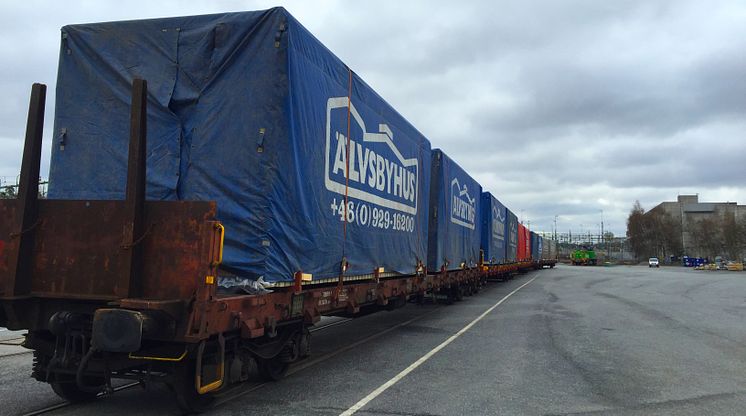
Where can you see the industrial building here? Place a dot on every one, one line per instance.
(687, 211)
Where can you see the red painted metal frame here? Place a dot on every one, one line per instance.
(254, 315)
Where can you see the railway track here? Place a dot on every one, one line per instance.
(241, 390)
(330, 324)
(15, 354)
(63, 405)
(12, 341)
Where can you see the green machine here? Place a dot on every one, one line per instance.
(583, 258)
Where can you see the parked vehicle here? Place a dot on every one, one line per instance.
(687, 261)
(653, 262)
(734, 266)
(583, 258)
(720, 263)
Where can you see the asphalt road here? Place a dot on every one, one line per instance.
(576, 340)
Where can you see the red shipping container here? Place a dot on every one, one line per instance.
(524, 244)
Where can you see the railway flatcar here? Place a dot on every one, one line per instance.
(494, 226)
(512, 230)
(217, 184)
(537, 247)
(497, 255)
(524, 248)
(454, 237)
(553, 250)
(541, 251)
(546, 258)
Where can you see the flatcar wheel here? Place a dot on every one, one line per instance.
(66, 387)
(272, 369)
(450, 298)
(459, 293)
(420, 298)
(183, 384)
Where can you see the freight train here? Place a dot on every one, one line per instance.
(217, 184)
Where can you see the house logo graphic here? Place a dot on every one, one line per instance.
(463, 206)
(378, 172)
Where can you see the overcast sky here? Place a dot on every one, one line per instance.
(567, 108)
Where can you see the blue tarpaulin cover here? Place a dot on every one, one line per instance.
(455, 218)
(494, 226)
(537, 245)
(249, 110)
(511, 253)
(540, 248)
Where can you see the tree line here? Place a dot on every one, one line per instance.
(657, 233)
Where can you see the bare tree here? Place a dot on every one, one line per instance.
(734, 236)
(637, 231)
(655, 233)
(707, 236)
(666, 234)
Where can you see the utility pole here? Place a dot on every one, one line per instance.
(555, 228)
(603, 238)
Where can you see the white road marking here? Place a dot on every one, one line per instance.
(365, 400)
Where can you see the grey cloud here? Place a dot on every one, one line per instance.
(559, 108)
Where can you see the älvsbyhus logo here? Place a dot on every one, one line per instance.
(378, 172)
(463, 205)
(498, 223)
